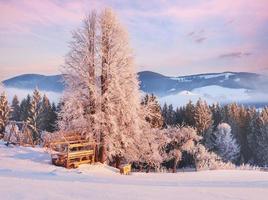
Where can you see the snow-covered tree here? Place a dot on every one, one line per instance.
(202, 117)
(152, 111)
(34, 118)
(71, 116)
(102, 97)
(120, 99)
(78, 112)
(4, 112)
(259, 137)
(15, 106)
(180, 139)
(226, 144)
(12, 133)
(205, 160)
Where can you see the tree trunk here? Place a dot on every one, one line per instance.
(96, 158)
(174, 170)
(117, 162)
(103, 150)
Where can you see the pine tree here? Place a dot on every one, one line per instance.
(45, 115)
(152, 111)
(53, 118)
(15, 113)
(179, 116)
(4, 112)
(25, 108)
(168, 114)
(237, 118)
(202, 117)
(189, 114)
(164, 112)
(252, 128)
(34, 118)
(216, 114)
(261, 136)
(226, 145)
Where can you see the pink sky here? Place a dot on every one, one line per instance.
(170, 37)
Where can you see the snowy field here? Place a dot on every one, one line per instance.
(26, 173)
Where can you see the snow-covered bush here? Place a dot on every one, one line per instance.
(205, 160)
(179, 140)
(12, 133)
(152, 148)
(225, 144)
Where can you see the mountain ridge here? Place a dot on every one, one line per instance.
(150, 82)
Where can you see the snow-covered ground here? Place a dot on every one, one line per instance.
(26, 173)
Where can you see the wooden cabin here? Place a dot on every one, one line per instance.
(73, 152)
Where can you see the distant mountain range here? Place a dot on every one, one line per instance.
(163, 85)
(31, 81)
(229, 86)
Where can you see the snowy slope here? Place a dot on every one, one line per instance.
(26, 173)
(211, 94)
(22, 93)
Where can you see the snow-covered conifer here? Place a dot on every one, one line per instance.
(152, 111)
(25, 108)
(34, 118)
(4, 112)
(226, 144)
(15, 106)
(202, 117)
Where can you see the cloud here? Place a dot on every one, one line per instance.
(197, 36)
(200, 40)
(24, 15)
(235, 55)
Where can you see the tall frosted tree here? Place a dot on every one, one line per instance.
(15, 106)
(4, 112)
(34, 118)
(120, 105)
(102, 97)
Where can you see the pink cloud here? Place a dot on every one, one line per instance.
(244, 16)
(22, 15)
